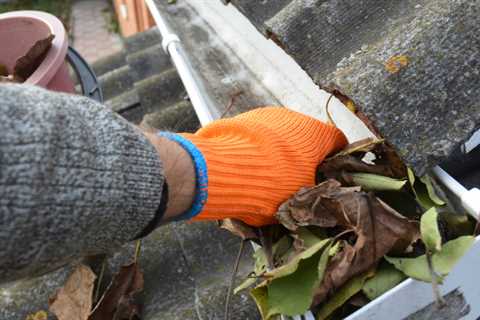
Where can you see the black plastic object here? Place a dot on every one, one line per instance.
(87, 78)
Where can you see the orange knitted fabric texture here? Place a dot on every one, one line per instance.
(258, 159)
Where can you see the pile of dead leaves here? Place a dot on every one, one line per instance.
(26, 65)
(367, 226)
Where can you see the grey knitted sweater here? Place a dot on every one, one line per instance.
(75, 179)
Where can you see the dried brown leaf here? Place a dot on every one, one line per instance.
(239, 229)
(374, 229)
(27, 64)
(120, 301)
(378, 228)
(74, 300)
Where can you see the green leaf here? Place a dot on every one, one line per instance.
(385, 278)
(323, 262)
(348, 290)
(429, 229)
(244, 285)
(260, 296)
(375, 182)
(293, 294)
(422, 193)
(431, 190)
(292, 266)
(442, 261)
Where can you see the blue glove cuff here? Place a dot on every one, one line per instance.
(201, 184)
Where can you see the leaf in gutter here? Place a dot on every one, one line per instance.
(250, 281)
(348, 290)
(39, 315)
(120, 299)
(73, 301)
(431, 190)
(386, 277)
(27, 64)
(373, 182)
(239, 229)
(443, 261)
(421, 192)
(429, 230)
(260, 296)
(292, 265)
(304, 239)
(293, 294)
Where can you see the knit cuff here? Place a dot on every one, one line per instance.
(201, 184)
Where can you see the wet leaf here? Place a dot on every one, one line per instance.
(348, 290)
(27, 64)
(395, 63)
(40, 315)
(429, 230)
(373, 182)
(239, 229)
(73, 301)
(443, 261)
(120, 298)
(386, 277)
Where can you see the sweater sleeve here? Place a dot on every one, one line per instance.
(75, 180)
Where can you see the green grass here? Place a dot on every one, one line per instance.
(59, 8)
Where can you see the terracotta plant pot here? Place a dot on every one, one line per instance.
(19, 30)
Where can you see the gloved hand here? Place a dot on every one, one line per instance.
(246, 166)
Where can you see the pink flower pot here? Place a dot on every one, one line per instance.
(19, 30)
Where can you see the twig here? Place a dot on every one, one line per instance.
(330, 119)
(232, 280)
(233, 97)
(436, 291)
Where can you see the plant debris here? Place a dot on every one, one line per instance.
(74, 300)
(362, 230)
(26, 65)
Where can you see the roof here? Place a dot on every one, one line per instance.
(411, 66)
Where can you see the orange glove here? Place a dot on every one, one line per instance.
(257, 160)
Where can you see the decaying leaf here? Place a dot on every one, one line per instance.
(352, 287)
(443, 261)
(74, 300)
(386, 277)
(396, 63)
(305, 208)
(119, 302)
(27, 64)
(239, 229)
(429, 230)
